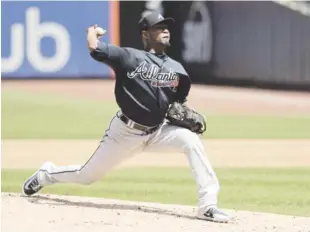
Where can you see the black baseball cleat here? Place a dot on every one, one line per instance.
(31, 185)
(215, 215)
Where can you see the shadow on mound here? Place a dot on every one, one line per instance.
(146, 209)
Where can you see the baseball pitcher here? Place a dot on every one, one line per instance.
(151, 91)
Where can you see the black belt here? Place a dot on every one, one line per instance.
(137, 126)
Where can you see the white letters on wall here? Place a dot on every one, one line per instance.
(34, 31)
(12, 63)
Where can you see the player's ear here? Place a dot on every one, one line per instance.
(144, 35)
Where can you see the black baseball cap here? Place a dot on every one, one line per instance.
(152, 19)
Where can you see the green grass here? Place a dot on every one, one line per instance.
(261, 127)
(283, 191)
(43, 116)
(46, 116)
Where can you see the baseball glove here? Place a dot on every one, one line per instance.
(180, 115)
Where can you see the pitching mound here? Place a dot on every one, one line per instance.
(51, 213)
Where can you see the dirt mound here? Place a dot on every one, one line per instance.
(55, 213)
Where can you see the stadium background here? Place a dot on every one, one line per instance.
(239, 43)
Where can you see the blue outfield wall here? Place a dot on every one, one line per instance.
(48, 39)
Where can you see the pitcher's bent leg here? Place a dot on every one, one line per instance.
(190, 144)
(118, 143)
(102, 160)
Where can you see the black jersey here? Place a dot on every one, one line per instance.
(146, 83)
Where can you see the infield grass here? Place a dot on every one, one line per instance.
(282, 190)
(48, 116)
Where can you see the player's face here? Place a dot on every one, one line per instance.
(160, 34)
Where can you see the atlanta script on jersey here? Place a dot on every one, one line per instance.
(151, 73)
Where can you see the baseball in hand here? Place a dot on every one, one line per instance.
(100, 31)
